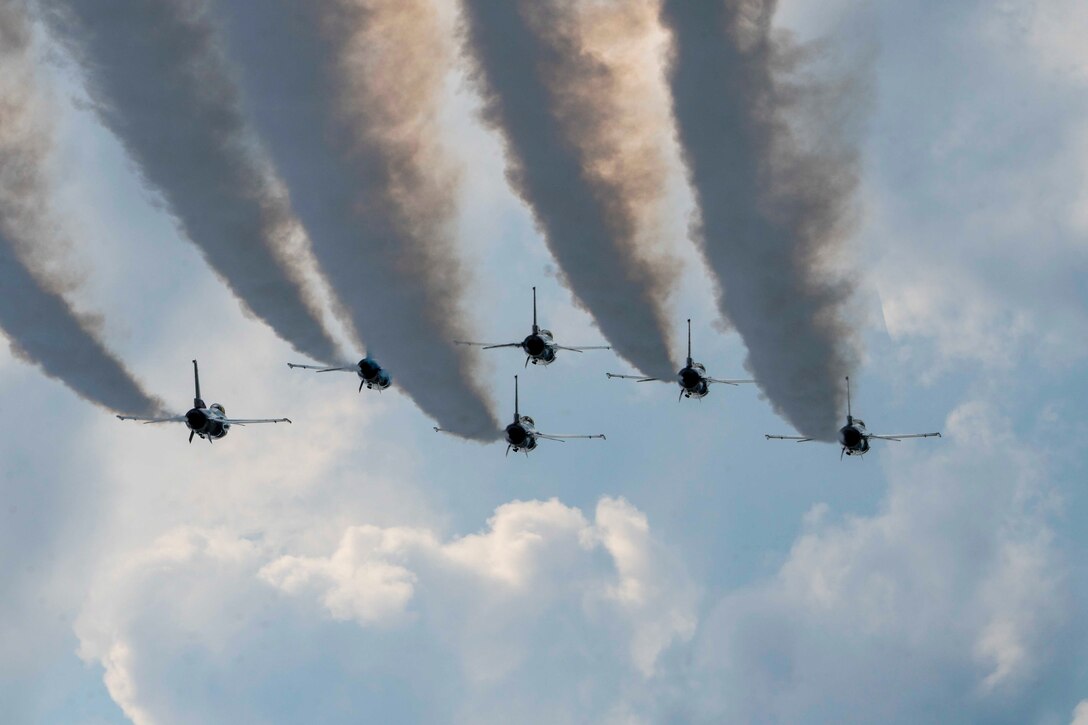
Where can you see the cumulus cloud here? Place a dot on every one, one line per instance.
(530, 547)
(541, 595)
(943, 605)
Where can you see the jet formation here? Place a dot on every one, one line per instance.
(210, 422)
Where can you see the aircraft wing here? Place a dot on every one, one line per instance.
(583, 348)
(488, 345)
(323, 369)
(246, 421)
(728, 382)
(904, 435)
(639, 378)
(173, 419)
(799, 439)
(563, 438)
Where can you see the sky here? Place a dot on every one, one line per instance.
(357, 566)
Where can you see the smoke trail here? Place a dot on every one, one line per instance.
(774, 214)
(40, 325)
(160, 81)
(345, 93)
(554, 86)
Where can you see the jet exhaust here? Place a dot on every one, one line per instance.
(40, 325)
(161, 83)
(345, 94)
(773, 213)
(565, 83)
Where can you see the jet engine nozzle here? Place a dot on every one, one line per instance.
(850, 436)
(196, 419)
(516, 435)
(690, 378)
(534, 345)
(369, 369)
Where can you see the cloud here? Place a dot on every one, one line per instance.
(476, 622)
(975, 206)
(943, 605)
(527, 551)
(1080, 714)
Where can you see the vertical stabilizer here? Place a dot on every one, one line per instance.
(689, 343)
(536, 328)
(849, 412)
(517, 416)
(197, 402)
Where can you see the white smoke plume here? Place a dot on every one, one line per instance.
(345, 93)
(571, 87)
(774, 211)
(161, 83)
(40, 325)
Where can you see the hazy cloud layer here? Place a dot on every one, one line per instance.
(982, 260)
(41, 326)
(161, 83)
(345, 95)
(773, 202)
(587, 150)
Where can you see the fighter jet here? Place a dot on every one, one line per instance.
(539, 346)
(853, 437)
(371, 374)
(693, 380)
(207, 421)
(522, 435)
